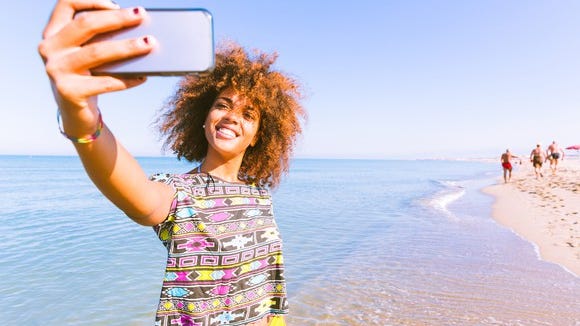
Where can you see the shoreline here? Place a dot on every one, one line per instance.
(544, 211)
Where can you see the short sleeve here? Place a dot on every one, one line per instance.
(163, 229)
(163, 178)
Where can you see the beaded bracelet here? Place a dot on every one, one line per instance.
(83, 140)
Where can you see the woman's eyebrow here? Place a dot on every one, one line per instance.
(227, 99)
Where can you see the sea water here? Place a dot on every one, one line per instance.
(366, 243)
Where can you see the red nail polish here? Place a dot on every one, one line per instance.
(136, 10)
(146, 39)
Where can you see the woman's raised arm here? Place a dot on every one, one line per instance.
(68, 62)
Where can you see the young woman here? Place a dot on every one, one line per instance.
(239, 122)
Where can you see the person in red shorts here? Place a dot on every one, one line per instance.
(506, 164)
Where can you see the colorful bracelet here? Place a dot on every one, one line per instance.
(84, 140)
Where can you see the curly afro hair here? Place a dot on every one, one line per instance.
(274, 93)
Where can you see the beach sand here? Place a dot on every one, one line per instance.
(544, 211)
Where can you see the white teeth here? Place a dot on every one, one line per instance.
(227, 132)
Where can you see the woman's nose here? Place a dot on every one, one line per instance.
(233, 115)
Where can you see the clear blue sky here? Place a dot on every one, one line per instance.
(383, 79)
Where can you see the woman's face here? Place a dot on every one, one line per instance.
(231, 125)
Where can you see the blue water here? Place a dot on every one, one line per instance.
(366, 243)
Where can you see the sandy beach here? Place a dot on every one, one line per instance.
(544, 211)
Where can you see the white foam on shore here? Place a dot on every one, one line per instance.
(537, 250)
(442, 199)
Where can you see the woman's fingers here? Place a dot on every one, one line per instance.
(65, 10)
(77, 91)
(106, 52)
(96, 54)
(87, 24)
(69, 57)
(102, 84)
(70, 72)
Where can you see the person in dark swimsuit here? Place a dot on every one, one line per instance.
(553, 153)
(537, 157)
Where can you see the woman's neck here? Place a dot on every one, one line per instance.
(225, 170)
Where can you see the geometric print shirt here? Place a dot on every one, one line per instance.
(224, 263)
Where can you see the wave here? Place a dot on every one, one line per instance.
(451, 191)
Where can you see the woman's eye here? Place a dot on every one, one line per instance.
(222, 106)
(251, 116)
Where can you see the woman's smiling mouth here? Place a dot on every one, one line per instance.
(225, 132)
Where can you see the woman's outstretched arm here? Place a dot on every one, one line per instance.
(68, 62)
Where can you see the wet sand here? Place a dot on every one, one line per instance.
(544, 211)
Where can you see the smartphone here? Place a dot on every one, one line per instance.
(185, 44)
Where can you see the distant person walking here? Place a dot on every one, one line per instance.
(506, 164)
(554, 153)
(537, 157)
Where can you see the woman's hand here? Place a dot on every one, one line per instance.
(68, 60)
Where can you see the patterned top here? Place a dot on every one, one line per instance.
(224, 263)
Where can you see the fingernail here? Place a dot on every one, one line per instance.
(148, 41)
(136, 10)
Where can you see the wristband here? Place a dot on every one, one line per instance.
(83, 140)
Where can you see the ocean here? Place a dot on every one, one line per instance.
(367, 242)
